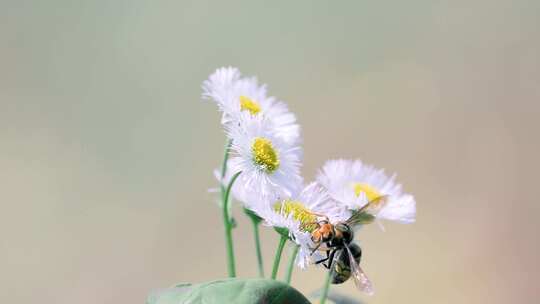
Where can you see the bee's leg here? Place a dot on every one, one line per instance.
(330, 259)
(324, 260)
(321, 261)
(327, 245)
(315, 249)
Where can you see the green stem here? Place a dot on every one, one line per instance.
(277, 258)
(326, 286)
(290, 267)
(225, 211)
(258, 247)
(226, 216)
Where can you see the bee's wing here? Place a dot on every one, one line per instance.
(361, 280)
(360, 218)
(368, 212)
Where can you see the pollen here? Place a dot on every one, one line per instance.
(248, 104)
(264, 154)
(370, 192)
(299, 212)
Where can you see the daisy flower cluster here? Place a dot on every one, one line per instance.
(262, 168)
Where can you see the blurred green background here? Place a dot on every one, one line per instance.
(107, 152)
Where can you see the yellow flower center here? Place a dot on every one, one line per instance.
(299, 212)
(265, 155)
(371, 193)
(248, 104)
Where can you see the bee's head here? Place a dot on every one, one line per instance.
(324, 231)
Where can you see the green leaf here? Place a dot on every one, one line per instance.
(239, 291)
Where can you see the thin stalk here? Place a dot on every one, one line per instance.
(226, 216)
(277, 258)
(290, 267)
(228, 226)
(326, 286)
(260, 265)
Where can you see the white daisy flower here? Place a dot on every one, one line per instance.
(299, 214)
(235, 95)
(354, 184)
(268, 164)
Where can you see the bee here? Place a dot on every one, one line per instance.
(342, 254)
